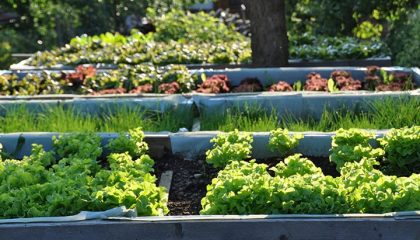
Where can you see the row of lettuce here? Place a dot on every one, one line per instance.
(366, 183)
(77, 176)
(171, 79)
(195, 38)
(73, 177)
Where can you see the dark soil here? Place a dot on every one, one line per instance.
(189, 181)
(190, 178)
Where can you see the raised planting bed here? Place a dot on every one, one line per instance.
(316, 78)
(173, 79)
(99, 114)
(175, 113)
(191, 177)
(189, 186)
(307, 112)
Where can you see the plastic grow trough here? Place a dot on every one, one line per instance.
(296, 103)
(98, 104)
(379, 61)
(267, 76)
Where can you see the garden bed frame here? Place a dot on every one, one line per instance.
(286, 227)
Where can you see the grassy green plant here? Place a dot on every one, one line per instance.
(60, 119)
(252, 118)
(380, 114)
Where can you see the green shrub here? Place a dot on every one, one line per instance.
(404, 42)
(182, 26)
(5, 55)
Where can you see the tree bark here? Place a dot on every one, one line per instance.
(269, 42)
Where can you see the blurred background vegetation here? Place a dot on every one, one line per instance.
(27, 26)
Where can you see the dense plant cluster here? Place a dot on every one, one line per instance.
(233, 146)
(171, 79)
(180, 25)
(215, 84)
(158, 53)
(402, 150)
(282, 142)
(73, 177)
(183, 38)
(308, 46)
(180, 38)
(398, 152)
(298, 186)
(345, 82)
(133, 144)
(376, 79)
(70, 179)
(236, 146)
(281, 86)
(315, 82)
(379, 80)
(137, 49)
(143, 78)
(352, 146)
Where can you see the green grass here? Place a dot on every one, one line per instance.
(59, 119)
(382, 114)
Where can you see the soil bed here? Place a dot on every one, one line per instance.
(189, 181)
(190, 178)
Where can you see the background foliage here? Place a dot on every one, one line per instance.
(44, 24)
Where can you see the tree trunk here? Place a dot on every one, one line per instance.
(270, 45)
